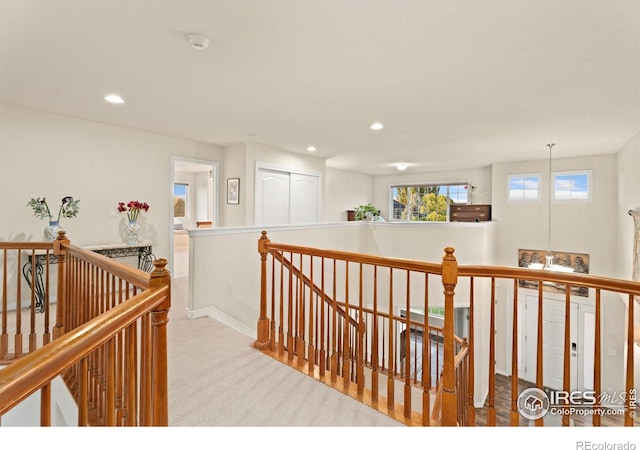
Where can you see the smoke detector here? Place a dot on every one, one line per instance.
(198, 42)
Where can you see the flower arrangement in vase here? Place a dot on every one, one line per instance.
(68, 208)
(133, 210)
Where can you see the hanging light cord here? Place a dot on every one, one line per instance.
(550, 196)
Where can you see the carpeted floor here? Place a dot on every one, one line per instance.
(216, 379)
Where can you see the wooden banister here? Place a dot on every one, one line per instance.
(110, 340)
(366, 339)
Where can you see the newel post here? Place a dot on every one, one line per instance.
(62, 295)
(263, 321)
(449, 395)
(159, 319)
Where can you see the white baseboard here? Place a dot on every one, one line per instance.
(224, 319)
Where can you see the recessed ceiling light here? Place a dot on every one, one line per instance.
(402, 166)
(113, 98)
(311, 149)
(198, 42)
(377, 126)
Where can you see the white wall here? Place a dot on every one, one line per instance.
(344, 190)
(48, 155)
(64, 409)
(628, 164)
(235, 160)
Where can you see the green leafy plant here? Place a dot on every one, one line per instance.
(68, 208)
(367, 212)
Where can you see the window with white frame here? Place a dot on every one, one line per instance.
(180, 200)
(523, 187)
(575, 185)
(427, 202)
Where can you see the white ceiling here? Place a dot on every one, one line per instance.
(457, 83)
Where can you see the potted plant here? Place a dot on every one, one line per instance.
(367, 212)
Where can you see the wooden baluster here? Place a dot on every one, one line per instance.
(46, 337)
(360, 336)
(272, 330)
(311, 347)
(300, 348)
(471, 409)
(62, 300)
(491, 409)
(262, 341)
(426, 358)
(290, 334)
(597, 363)
(346, 356)
(159, 319)
(4, 337)
(281, 315)
(110, 383)
(17, 353)
(566, 372)
(391, 362)
(33, 337)
(131, 380)
(374, 344)
(449, 396)
(83, 388)
(407, 349)
(323, 351)
(514, 414)
(539, 351)
(334, 330)
(631, 395)
(45, 404)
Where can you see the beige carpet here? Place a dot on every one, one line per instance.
(216, 379)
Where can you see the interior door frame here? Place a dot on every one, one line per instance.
(215, 171)
(583, 306)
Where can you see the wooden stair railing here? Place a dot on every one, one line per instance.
(368, 313)
(110, 341)
(301, 304)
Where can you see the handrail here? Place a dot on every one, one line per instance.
(581, 279)
(382, 261)
(130, 274)
(33, 371)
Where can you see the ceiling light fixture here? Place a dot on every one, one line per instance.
(549, 258)
(402, 166)
(311, 149)
(198, 42)
(377, 126)
(115, 99)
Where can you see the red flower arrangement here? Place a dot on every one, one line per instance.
(133, 209)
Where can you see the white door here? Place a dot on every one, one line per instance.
(304, 198)
(272, 197)
(286, 198)
(553, 316)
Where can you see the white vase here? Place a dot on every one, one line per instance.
(131, 230)
(51, 230)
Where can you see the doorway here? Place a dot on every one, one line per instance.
(581, 332)
(194, 196)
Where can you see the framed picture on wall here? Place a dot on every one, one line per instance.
(233, 191)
